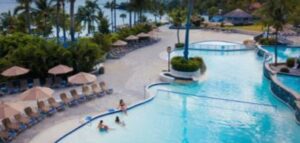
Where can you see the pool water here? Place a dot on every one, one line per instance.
(291, 82)
(216, 45)
(284, 52)
(233, 104)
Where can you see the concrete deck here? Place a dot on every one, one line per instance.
(128, 76)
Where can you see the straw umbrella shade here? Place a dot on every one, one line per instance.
(82, 78)
(7, 110)
(119, 43)
(14, 71)
(37, 93)
(60, 69)
(132, 38)
(143, 35)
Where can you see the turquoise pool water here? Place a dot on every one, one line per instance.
(233, 104)
(284, 52)
(291, 82)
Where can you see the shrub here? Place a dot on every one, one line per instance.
(179, 45)
(290, 62)
(285, 70)
(193, 64)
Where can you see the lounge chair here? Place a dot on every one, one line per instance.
(67, 101)
(44, 109)
(36, 82)
(97, 90)
(58, 106)
(33, 115)
(23, 85)
(7, 136)
(49, 82)
(86, 91)
(77, 97)
(24, 120)
(10, 126)
(104, 88)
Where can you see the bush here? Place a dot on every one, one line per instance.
(193, 64)
(266, 41)
(285, 70)
(179, 45)
(290, 62)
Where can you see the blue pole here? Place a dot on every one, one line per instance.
(187, 33)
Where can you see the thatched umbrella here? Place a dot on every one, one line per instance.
(14, 71)
(143, 35)
(119, 43)
(132, 38)
(82, 78)
(60, 69)
(37, 93)
(7, 110)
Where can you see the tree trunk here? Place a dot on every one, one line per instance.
(268, 31)
(178, 35)
(64, 23)
(130, 18)
(28, 17)
(112, 17)
(72, 28)
(57, 20)
(115, 14)
(276, 46)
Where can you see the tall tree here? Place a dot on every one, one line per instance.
(42, 12)
(123, 16)
(25, 8)
(177, 17)
(88, 15)
(278, 11)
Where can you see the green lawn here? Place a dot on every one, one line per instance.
(254, 28)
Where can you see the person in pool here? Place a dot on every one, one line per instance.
(119, 122)
(102, 127)
(122, 106)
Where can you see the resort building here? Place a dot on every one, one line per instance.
(239, 17)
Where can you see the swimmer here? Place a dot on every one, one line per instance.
(102, 127)
(119, 122)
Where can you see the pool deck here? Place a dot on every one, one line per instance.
(127, 76)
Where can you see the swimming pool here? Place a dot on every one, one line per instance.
(291, 82)
(284, 52)
(232, 104)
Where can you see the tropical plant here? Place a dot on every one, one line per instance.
(42, 12)
(123, 16)
(8, 22)
(278, 12)
(25, 9)
(177, 17)
(88, 15)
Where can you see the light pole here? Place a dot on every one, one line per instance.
(187, 33)
(169, 50)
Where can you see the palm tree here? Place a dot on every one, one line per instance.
(8, 22)
(42, 11)
(177, 17)
(278, 12)
(64, 20)
(123, 16)
(88, 14)
(24, 6)
(72, 22)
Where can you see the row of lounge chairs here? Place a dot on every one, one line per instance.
(117, 53)
(22, 85)
(23, 121)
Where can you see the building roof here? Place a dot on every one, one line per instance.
(238, 13)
